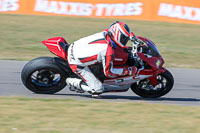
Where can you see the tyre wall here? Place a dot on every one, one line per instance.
(180, 11)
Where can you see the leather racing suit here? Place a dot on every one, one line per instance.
(96, 48)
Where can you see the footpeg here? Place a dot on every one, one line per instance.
(96, 95)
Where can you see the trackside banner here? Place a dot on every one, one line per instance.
(183, 11)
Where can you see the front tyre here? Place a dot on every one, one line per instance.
(145, 89)
(43, 76)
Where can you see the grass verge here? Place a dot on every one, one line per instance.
(21, 36)
(26, 115)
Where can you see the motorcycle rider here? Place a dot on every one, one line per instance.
(98, 48)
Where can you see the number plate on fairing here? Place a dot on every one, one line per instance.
(126, 81)
(121, 81)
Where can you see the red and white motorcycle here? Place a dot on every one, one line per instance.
(48, 75)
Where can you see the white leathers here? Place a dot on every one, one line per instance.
(90, 50)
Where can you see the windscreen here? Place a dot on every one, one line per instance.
(151, 49)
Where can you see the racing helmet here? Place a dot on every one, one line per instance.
(119, 32)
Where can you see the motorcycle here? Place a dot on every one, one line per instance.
(48, 75)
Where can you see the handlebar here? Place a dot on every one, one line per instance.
(136, 43)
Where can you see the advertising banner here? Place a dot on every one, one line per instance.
(184, 11)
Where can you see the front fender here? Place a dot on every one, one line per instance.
(153, 78)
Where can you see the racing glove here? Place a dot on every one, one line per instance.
(129, 71)
(132, 36)
(135, 39)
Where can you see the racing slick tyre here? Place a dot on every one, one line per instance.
(145, 89)
(43, 76)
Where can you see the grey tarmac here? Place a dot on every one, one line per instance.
(186, 90)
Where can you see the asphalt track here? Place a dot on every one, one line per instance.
(186, 90)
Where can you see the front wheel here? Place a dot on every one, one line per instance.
(43, 76)
(145, 89)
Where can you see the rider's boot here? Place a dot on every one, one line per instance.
(75, 84)
(78, 86)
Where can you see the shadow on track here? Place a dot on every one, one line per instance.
(120, 97)
(150, 99)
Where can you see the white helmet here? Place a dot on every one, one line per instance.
(119, 33)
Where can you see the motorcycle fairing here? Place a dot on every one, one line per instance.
(58, 46)
(156, 67)
(122, 84)
(155, 63)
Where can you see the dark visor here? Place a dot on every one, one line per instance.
(123, 39)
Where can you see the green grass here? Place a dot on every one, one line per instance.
(21, 36)
(26, 115)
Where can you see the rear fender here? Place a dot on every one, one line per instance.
(57, 46)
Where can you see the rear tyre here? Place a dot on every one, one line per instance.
(145, 89)
(43, 76)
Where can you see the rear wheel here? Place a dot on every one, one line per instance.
(43, 76)
(145, 89)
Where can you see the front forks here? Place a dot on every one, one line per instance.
(153, 79)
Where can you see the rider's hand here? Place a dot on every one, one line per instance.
(140, 41)
(130, 71)
(135, 39)
(132, 36)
